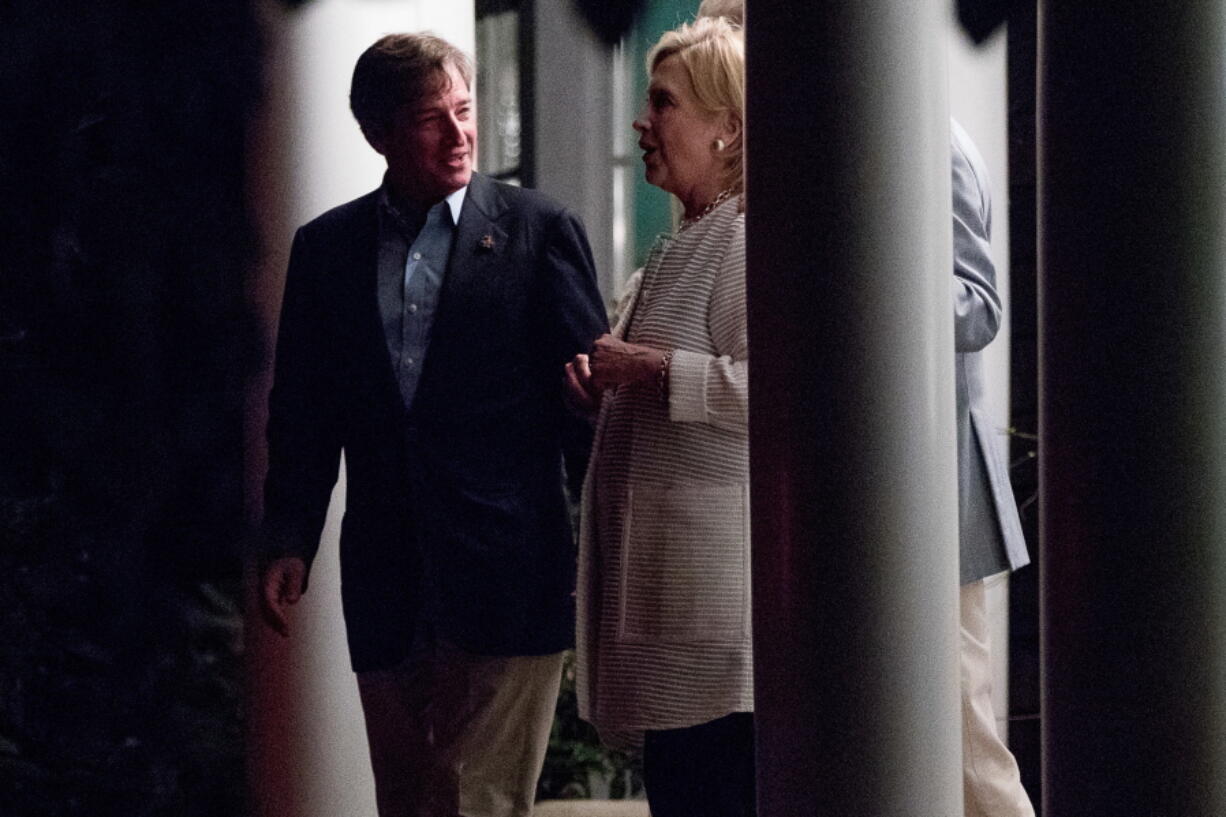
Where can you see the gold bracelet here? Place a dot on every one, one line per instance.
(662, 376)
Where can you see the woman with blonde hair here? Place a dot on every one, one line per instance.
(664, 649)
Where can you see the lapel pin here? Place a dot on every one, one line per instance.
(487, 242)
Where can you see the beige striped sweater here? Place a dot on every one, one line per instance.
(664, 586)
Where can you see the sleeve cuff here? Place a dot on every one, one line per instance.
(687, 387)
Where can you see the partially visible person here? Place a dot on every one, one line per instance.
(424, 333)
(733, 10)
(664, 650)
(990, 537)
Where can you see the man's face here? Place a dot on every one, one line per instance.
(431, 147)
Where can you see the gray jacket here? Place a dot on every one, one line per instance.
(990, 533)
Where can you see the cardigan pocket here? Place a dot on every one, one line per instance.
(685, 564)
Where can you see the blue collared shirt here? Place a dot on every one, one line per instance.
(411, 270)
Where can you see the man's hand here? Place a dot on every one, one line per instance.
(614, 362)
(580, 391)
(280, 587)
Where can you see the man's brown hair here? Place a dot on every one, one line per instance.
(401, 70)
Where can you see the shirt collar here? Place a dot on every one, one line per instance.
(455, 202)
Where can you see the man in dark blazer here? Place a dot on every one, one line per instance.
(424, 331)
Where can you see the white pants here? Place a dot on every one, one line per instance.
(455, 734)
(991, 784)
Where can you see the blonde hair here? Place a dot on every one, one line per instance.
(734, 10)
(712, 51)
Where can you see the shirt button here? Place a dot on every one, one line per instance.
(412, 309)
(409, 362)
(416, 256)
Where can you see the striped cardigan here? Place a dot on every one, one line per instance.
(664, 586)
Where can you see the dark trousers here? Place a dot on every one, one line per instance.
(702, 771)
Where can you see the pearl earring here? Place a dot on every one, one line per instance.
(720, 145)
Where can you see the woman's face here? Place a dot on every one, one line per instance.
(678, 138)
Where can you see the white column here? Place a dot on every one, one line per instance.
(308, 744)
(855, 526)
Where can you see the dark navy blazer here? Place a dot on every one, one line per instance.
(455, 508)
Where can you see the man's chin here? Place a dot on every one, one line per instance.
(458, 179)
(443, 185)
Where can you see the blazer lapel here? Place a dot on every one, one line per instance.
(479, 240)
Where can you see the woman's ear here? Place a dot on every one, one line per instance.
(731, 128)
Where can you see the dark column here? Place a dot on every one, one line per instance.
(852, 431)
(1132, 260)
(1024, 720)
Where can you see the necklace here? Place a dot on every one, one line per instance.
(686, 223)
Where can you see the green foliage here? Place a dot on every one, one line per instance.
(577, 765)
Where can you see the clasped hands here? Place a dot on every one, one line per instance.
(611, 362)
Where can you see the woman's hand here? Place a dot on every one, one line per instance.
(579, 389)
(614, 362)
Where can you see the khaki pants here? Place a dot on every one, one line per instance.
(453, 734)
(991, 784)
